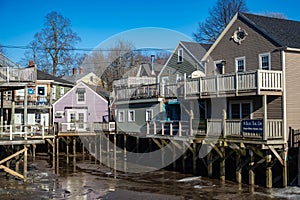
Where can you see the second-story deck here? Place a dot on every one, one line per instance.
(257, 82)
(228, 130)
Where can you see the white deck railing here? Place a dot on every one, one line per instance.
(82, 127)
(238, 82)
(22, 132)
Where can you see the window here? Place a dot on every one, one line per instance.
(121, 116)
(81, 120)
(149, 113)
(180, 55)
(240, 64)
(80, 95)
(220, 67)
(53, 92)
(240, 110)
(265, 61)
(41, 90)
(91, 78)
(62, 91)
(131, 116)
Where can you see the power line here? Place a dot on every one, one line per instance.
(86, 49)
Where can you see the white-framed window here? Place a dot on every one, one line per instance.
(240, 109)
(121, 116)
(180, 55)
(81, 95)
(149, 114)
(265, 61)
(131, 115)
(81, 120)
(41, 90)
(53, 92)
(219, 67)
(91, 78)
(240, 64)
(62, 91)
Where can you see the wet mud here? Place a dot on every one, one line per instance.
(90, 181)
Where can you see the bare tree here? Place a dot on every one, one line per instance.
(54, 44)
(219, 17)
(275, 15)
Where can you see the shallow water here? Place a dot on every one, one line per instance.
(101, 184)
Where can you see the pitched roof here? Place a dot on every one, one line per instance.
(45, 76)
(99, 90)
(76, 77)
(196, 49)
(282, 31)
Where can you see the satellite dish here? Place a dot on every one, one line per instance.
(197, 74)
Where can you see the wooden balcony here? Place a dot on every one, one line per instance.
(11, 72)
(137, 92)
(83, 128)
(252, 82)
(213, 128)
(21, 134)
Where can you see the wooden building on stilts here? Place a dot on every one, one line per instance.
(233, 106)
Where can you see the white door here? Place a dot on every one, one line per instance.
(81, 119)
(164, 82)
(71, 118)
(77, 119)
(31, 119)
(45, 119)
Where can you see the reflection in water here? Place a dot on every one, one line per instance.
(97, 182)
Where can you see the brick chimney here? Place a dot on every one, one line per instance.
(74, 71)
(31, 63)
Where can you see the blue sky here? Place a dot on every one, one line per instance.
(97, 20)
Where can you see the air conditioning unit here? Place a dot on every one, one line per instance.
(59, 114)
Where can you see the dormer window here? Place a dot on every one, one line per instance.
(180, 55)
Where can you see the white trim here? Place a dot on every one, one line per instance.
(240, 102)
(180, 45)
(133, 115)
(180, 57)
(146, 116)
(236, 63)
(53, 92)
(260, 61)
(75, 87)
(84, 97)
(215, 67)
(284, 97)
(220, 37)
(123, 118)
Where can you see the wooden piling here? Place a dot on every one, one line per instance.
(238, 172)
(222, 165)
(251, 170)
(125, 153)
(115, 155)
(25, 163)
(210, 164)
(268, 170)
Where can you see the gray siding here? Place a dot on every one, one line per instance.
(140, 116)
(173, 68)
(251, 47)
(293, 89)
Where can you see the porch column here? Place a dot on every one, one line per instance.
(12, 117)
(191, 118)
(25, 117)
(265, 117)
(2, 113)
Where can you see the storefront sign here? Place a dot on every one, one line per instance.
(252, 126)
